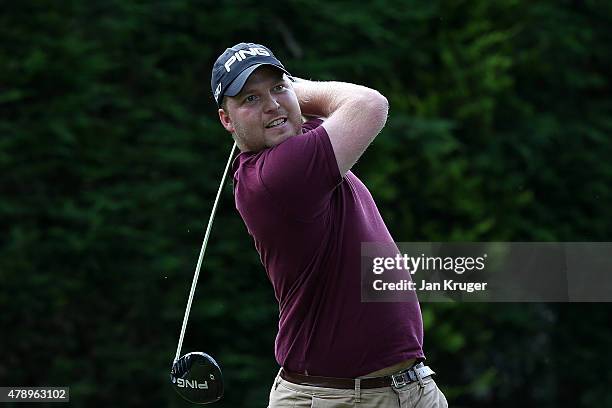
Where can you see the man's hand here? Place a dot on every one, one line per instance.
(355, 115)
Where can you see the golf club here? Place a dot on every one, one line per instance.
(196, 376)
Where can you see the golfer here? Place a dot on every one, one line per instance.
(308, 215)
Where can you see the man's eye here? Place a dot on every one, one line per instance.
(250, 98)
(279, 87)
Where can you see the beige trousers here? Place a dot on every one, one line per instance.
(289, 395)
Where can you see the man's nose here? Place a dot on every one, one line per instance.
(271, 103)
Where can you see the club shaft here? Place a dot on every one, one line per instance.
(194, 283)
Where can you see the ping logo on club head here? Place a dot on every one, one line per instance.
(191, 384)
(244, 54)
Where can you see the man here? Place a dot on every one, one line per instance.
(308, 215)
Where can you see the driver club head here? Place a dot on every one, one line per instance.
(197, 378)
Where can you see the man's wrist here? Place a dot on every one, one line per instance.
(310, 95)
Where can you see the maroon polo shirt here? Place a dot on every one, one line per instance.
(308, 224)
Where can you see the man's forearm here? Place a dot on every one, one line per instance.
(354, 115)
(324, 98)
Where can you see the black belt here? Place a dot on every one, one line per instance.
(397, 380)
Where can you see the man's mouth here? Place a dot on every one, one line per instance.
(276, 123)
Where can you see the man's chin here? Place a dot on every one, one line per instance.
(275, 139)
(278, 139)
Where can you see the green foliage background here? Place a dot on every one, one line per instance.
(111, 151)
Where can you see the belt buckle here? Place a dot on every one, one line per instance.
(399, 383)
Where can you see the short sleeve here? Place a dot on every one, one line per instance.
(301, 173)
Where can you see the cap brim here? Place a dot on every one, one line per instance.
(236, 86)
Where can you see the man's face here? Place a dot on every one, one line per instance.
(265, 113)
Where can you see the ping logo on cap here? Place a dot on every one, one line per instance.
(217, 91)
(244, 54)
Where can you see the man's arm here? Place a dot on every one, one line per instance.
(355, 115)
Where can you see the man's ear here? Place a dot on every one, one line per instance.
(226, 121)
